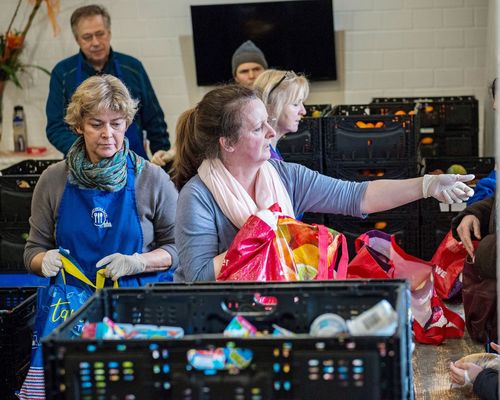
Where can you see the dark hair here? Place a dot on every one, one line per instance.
(493, 88)
(89, 11)
(198, 130)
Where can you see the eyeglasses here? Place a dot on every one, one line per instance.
(287, 75)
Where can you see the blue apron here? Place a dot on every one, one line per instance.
(95, 223)
(133, 133)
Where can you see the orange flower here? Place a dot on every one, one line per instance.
(14, 40)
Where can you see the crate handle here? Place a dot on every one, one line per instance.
(256, 307)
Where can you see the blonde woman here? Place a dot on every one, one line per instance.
(105, 204)
(283, 93)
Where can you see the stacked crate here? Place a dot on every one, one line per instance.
(17, 317)
(16, 190)
(446, 126)
(306, 146)
(362, 146)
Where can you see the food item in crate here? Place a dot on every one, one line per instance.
(117, 331)
(379, 320)
(328, 324)
(220, 358)
(456, 169)
(240, 327)
(279, 331)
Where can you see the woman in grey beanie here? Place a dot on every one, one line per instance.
(247, 63)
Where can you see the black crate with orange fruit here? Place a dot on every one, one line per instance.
(447, 125)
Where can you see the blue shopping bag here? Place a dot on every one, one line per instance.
(55, 303)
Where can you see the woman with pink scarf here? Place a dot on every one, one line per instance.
(224, 169)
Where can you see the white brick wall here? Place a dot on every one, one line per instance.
(390, 48)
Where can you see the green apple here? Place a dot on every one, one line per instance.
(456, 169)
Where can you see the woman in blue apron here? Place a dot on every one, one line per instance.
(114, 210)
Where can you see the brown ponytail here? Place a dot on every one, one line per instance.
(198, 130)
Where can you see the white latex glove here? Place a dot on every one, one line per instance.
(118, 265)
(447, 188)
(162, 157)
(51, 263)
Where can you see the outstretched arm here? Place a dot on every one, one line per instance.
(385, 194)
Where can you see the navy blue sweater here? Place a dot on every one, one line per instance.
(149, 118)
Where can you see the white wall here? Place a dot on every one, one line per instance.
(386, 48)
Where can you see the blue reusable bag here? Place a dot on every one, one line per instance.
(55, 303)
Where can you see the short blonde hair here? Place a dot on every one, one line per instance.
(278, 88)
(100, 93)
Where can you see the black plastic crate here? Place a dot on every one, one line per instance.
(17, 317)
(352, 109)
(375, 109)
(280, 368)
(27, 167)
(461, 145)
(374, 138)
(479, 166)
(434, 229)
(16, 189)
(12, 240)
(16, 192)
(405, 227)
(355, 171)
(314, 218)
(306, 141)
(439, 114)
(317, 110)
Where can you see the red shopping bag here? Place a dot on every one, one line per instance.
(292, 251)
(448, 264)
(379, 256)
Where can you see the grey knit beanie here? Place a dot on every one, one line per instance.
(248, 52)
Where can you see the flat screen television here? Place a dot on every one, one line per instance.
(294, 35)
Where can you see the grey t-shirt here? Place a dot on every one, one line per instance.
(202, 231)
(156, 200)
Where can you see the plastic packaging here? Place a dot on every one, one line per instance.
(381, 319)
(19, 128)
(328, 324)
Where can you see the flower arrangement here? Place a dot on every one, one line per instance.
(12, 42)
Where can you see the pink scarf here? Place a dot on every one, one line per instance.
(234, 201)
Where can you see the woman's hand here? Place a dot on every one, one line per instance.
(447, 188)
(462, 373)
(162, 157)
(51, 263)
(118, 265)
(469, 224)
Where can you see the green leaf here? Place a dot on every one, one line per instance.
(38, 67)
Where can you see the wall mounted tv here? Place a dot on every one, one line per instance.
(294, 35)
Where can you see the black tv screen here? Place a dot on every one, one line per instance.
(294, 35)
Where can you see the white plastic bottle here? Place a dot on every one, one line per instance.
(19, 128)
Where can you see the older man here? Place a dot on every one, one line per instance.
(91, 26)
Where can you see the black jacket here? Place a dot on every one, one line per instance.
(486, 384)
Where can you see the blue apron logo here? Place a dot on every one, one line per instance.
(100, 218)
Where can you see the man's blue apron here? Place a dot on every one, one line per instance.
(95, 223)
(134, 134)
